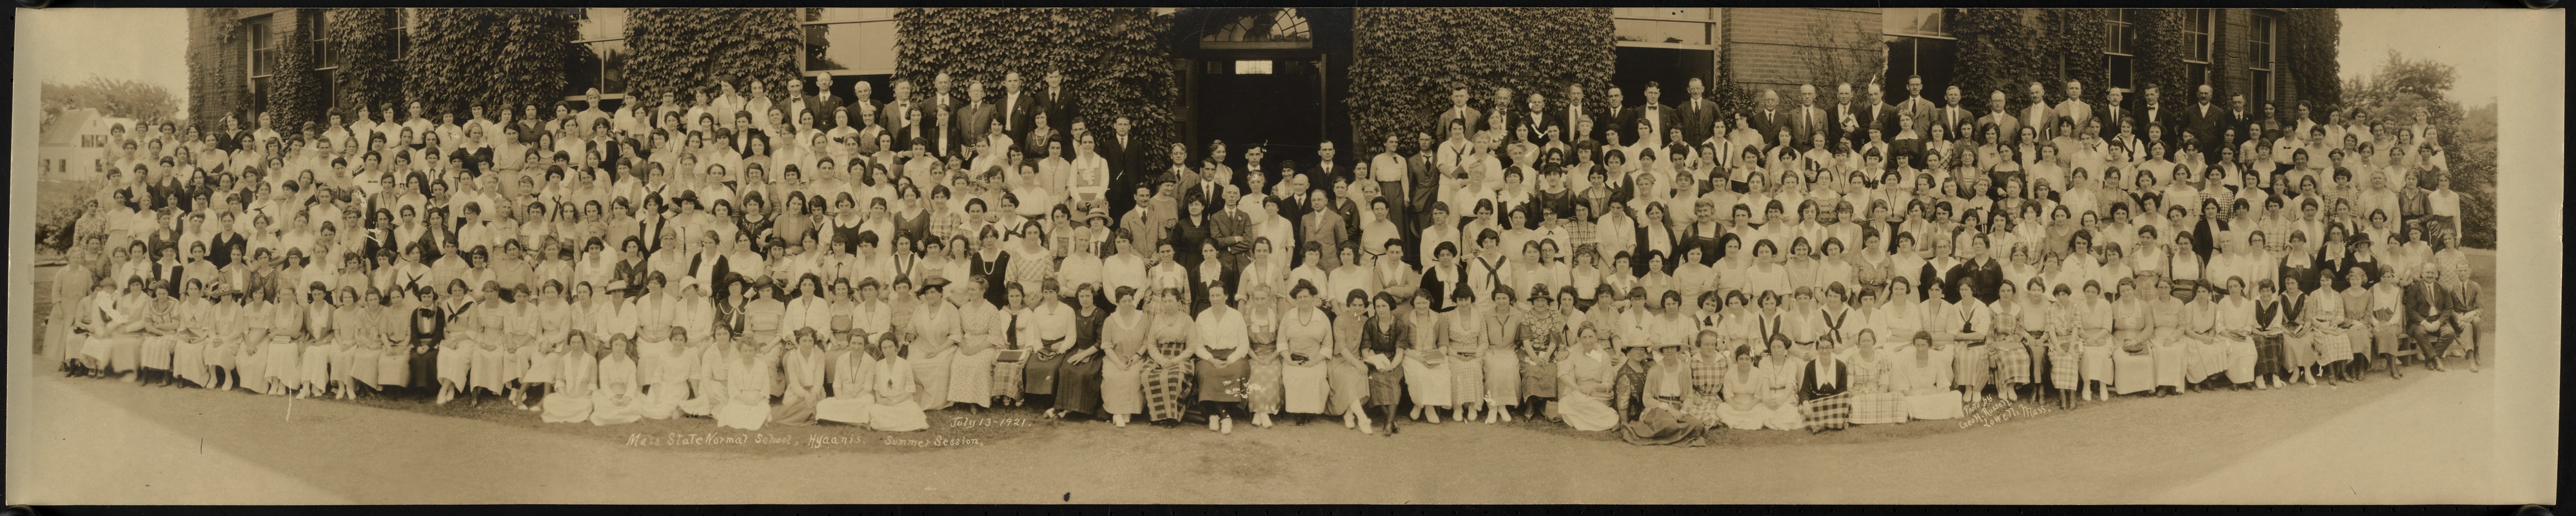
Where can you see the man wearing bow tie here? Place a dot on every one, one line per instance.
(1657, 117)
(2152, 114)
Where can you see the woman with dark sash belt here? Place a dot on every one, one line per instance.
(428, 328)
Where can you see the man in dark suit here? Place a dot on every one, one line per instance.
(2243, 120)
(1767, 118)
(862, 98)
(1949, 115)
(1698, 115)
(1329, 165)
(1124, 151)
(1655, 117)
(2152, 114)
(976, 119)
(1914, 106)
(1876, 114)
(1622, 119)
(2203, 120)
(1534, 117)
(1846, 111)
(822, 103)
(2113, 112)
(940, 109)
(1018, 109)
(1057, 103)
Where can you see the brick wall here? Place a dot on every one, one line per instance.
(219, 61)
(1771, 48)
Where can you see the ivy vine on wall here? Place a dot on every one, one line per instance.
(1115, 57)
(2161, 49)
(1405, 61)
(2309, 52)
(295, 91)
(487, 56)
(2072, 39)
(685, 51)
(369, 74)
(1997, 52)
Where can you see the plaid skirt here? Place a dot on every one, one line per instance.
(2012, 363)
(1704, 408)
(2065, 367)
(1008, 376)
(2268, 355)
(1830, 412)
(1877, 408)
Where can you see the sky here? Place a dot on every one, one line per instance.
(150, 45)
(67, 46)
(2446, 36)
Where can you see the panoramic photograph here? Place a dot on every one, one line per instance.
(1386, 255)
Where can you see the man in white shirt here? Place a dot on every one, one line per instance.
(2074, 107)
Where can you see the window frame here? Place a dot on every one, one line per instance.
(1945, 17)
(802, 70)
(405, 19)
(2263, 65)
(2202, 28)
(583, 13)
(259, 35)
(2119, 50)
(1711, 25)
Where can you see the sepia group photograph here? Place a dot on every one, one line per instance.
(1285, 255)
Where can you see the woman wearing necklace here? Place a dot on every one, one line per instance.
(989, 264)
(1306, 335)
(1122, 343)
(981, 330)
(1261, 388)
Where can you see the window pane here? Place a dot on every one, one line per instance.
(1932, 58)
(1653, 31)
(849, 46)
(1916, 21)
(1687, 13)
(603, 23)
(823, 14)
(612, 59)
(598, 64)
(2120, 73)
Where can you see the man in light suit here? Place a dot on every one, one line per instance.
(1808, 121)
(2075, 108)
(1698, 114)
(2038, 116)
(892, 115)
(1914, 106)
(2006, 125)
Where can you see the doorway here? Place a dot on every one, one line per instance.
(1276, 103)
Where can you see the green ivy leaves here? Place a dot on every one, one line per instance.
(1405, 60)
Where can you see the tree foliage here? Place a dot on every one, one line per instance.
(1842, 54)
(487, 56)
(370, 76)
(2400, 88)
(681, 50)
(1116, 57)
(1404, 61)
(124, 98)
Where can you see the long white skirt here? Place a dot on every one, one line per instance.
(1943, 404)
(1429, 384)
(853, 409)
(1305, 389)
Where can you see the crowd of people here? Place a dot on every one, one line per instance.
(1657, 270)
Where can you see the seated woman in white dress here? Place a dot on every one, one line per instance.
(747, 374)
(851, 370)
(892, 384)
(1924, 379)
(570, 400)
(669, 395)
(618, 400)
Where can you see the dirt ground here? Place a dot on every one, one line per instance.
(2374, 442)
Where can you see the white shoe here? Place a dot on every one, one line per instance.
(1350, 422)
(1214, 422)
(1228, 427)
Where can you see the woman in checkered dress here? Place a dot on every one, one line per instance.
(1168, 371)
(2065, 329)
(2009, 349)
(1704, 397)
(1874, 399)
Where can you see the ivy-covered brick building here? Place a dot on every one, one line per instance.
(1288, 78)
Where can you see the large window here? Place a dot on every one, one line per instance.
(2266, 47)
(262, 45)
(2119, 38)
(1683, 27)
(852, 45)
(1919, 43)
(316, 24)
(2198, 33)
(599, 55)
(404, 19)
